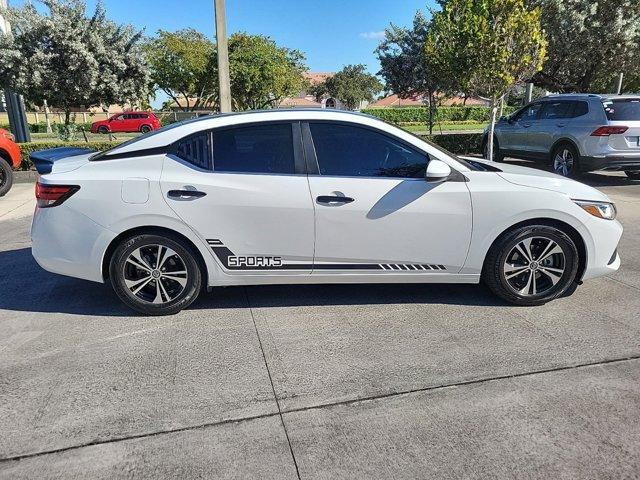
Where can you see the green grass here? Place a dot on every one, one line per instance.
(446, 127)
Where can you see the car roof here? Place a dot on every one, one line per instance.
(602, 96)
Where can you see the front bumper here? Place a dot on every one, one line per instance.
(610, 163)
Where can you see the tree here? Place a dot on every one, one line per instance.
(487, 46)
(404, 65)
(71, 60)
(590, 43)
(262, 73)
(353, 84)
(183, 65)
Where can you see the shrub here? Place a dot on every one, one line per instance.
(27, 148)
(458, 143)
(443, 114)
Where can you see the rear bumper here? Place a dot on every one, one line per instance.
(611, 163)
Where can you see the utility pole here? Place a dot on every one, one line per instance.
(13, 101)
(528, 94)
(224, 82)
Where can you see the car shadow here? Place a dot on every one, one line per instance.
(29, 288)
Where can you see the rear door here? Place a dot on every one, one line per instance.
(624, 112)
(375, 212)
(553, 122)
(244, 190)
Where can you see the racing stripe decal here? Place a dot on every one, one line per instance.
(230, 261)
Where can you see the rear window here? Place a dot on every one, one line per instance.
(623, 109)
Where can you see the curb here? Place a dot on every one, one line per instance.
(22, 176)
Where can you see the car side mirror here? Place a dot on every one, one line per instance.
(437, 171)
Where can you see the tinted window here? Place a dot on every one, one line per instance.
(579, 109)
(345, 150)
(254, 149)
(528, 113)
(556, 110)
(196, 150)
(623, 109)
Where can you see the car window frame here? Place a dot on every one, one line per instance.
(296, 136)
(313, 166)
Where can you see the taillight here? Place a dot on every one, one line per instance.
(609, 130)
(53, 195)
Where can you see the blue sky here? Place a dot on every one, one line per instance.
(332, 33)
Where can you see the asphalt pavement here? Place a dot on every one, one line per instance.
(319, 381)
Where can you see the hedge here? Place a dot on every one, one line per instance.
(443, 114)
(27, 148)
(458, 143)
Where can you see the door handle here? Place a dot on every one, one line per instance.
(184, 194)
(526, 125)
(333, 200)
(561, 125)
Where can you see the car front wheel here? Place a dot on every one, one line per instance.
(531, 265)
(6, 177)
(155, 275)
(102, 129)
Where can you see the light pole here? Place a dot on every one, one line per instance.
(223, 57)
(13, 101)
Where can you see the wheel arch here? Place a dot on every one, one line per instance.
(106, 259)
(568, 229)
(561, 141)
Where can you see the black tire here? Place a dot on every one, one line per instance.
(497, 154)
(145, 129)
(571, 157)
(102, 129)
(632, 175)
(6, 177)
(504, 255)
(123, 270)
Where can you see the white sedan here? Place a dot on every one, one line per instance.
(290, 197)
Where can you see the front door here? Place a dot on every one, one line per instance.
(244, 191)
(376, 213)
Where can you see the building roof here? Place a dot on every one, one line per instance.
(298, 102)
(315, 78)
(420, 101)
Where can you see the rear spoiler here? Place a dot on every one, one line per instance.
(44, 159)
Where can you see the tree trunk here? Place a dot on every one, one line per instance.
(67, 117)
(494, 110)
(431, 109)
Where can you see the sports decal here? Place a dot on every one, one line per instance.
(231, 261)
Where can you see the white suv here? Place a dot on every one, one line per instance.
(283, 197)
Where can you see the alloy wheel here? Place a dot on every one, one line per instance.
(563, 162)
(534, 266)
(3, 177)
(155, 274)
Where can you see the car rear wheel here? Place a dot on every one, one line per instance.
(145, 128)
(565, 160)
(103, 129)
(531, 265)
(6, 177)
(632, 175)
(155, 275)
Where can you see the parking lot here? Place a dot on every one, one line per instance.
(336, 381)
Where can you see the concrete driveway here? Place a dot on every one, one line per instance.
(384, 381)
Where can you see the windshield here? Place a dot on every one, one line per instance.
(625, 109)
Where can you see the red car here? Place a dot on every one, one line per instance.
(9, 159)
(127, 122)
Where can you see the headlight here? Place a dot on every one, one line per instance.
(598, 209)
